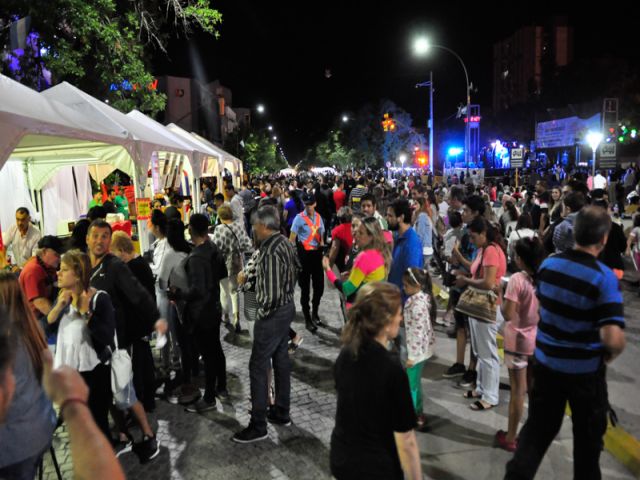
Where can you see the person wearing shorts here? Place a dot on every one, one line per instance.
(520, 311)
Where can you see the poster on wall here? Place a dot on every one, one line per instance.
(143, 208)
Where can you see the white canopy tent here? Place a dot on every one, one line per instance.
(211, 159)
(193, 167)
(40, 136)
(231, 163)
(145, 142)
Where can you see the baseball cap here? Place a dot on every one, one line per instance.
(52, 242)
(308, 198)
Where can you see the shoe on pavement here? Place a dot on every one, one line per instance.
(201, 406)
(501, 441)
(311, 326)
(277, 419)
(316, 320)
(469, 379)
(147, 449)
(250, 434)
(122, 447)
(184, 395)
(455, 370)
(223, 394)
(293, 346)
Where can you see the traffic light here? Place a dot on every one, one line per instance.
(388, 123)
(422, 159)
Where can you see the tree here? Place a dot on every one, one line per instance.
(261, 155)
(332, 152)
(103, 46)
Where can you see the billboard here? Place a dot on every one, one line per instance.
(565, 132)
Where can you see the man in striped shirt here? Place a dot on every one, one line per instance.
(580, 331)
(277, 270)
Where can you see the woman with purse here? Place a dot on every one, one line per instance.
(231, 239)
(480, 303)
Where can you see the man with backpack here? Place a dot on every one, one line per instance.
(136, 314)
(204, 268)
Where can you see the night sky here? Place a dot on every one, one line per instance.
(276, 53)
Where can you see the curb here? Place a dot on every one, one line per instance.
(624, 447)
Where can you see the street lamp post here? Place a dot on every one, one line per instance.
(430, 85)
(402, 158)
(422, 47)
(594, 139)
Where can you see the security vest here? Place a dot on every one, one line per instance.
(315, 231)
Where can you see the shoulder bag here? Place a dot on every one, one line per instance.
(121, 368)
(478, 303)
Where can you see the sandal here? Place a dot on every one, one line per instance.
(471, 394)
(478, 406)
(501, 441)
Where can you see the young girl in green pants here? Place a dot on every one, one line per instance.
(419, 310)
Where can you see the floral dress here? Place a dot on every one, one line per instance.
(419, 329)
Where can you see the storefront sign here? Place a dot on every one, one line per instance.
(143, 208)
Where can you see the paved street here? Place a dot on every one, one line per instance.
(457, 445)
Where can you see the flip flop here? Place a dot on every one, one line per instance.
(471, 394)
(478, 406)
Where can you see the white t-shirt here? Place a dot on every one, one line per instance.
(599, 181)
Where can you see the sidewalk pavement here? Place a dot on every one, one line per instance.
(458, 443)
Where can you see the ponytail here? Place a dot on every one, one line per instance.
(420, 277)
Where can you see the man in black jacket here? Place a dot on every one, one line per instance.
(135, 313)
(205, 268)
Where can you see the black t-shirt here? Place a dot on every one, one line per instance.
(142, 271)
(374, 401)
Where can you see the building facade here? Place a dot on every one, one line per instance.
(523, 61)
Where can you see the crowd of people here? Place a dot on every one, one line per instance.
(538, 264)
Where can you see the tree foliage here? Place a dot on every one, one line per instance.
(260, 154)
(362, 141)
(103, 46)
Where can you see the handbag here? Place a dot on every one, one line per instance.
(478, 303)
(237, 260)
(121, 368)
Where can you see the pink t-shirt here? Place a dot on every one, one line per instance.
(492, 256)
(520, 332)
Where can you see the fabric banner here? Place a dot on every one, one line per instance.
(565, 132)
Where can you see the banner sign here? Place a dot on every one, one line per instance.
(565, 132)
(143, 208)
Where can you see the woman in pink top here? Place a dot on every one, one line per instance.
(520, 312)
(488, 267)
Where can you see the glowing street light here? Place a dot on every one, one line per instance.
(260, 108)
(594, 139)
(345, 119)
(421, 47)
(270, 128)
(275, 138)
(402, 158)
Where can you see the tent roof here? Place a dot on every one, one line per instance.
(196, 151)
(30, 121)
(102, 114)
